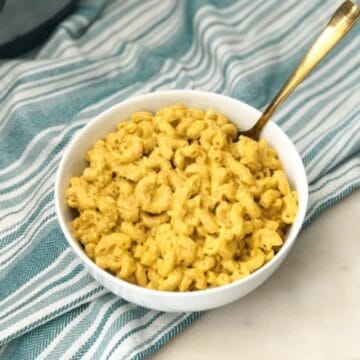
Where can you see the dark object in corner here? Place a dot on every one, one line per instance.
(25, 24)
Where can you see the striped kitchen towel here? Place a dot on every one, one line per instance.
(104, 52)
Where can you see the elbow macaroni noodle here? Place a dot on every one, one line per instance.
(173, 201)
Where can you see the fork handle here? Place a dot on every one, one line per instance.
(342, 21)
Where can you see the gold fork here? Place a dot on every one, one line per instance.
(342, 21)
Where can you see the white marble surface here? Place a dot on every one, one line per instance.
(309, 309)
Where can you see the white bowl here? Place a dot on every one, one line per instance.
(244, 116)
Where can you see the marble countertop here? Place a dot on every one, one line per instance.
(309, 309)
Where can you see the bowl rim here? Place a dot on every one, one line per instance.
(279, 256)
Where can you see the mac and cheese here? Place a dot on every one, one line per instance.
(173, 201)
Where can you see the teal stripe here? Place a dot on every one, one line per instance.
(111, 333)
(32, 79)
(168, 335)
(30, 156)
(33, 261)
(30, 345)
(343, 155)
(34, 297)
(331, 135)
(149, 340)
(88, 12)
(316, 189)
(134, 331)
(41, 199)
(298, 132)
(31, 218)
(333, 190)
(87, 320)
(96, 31)
(40, 281)
(342, 87)
(51, 298)
(77, 101)
(208, 50)
(130, 315)
(349, 74)
(348, 188)
(28, 202)
(50, 316)
(74, 304)
(54, 152)
(27, 246)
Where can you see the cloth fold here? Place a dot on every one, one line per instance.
(103, 53)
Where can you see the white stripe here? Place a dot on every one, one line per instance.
(203, 20)
(19, 212)
(169, 80)
(10, 225)
(330, 190)
(317, 186)
(60, 289)
(48, 310)
(60, 76)
(350, 148)
(126, 329)
(46, 354)
(18, 191)
(29, 286)
(324, 120)
(65, 86)
(32, 184)
(166, 327)
(76, 345)
(25, 69)
(46, 52)
(320, 76)
(167, 29)
(204, 65)
(336, 82)
(42, 155)
(39, 137)
(159, 325)
(142, 14)
(329, 152)
(25, 240)
(28, 69)
(116, 16)
(109, 323)
(21, 298)
(242, 68)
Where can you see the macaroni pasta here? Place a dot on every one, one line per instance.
(173, 201)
